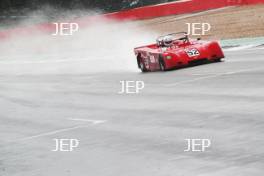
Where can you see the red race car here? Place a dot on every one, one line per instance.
(176, 50)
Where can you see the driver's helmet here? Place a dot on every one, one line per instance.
(167, 40)
(159, 41)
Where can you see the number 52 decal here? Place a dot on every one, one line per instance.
(192, 52)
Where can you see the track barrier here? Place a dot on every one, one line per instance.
(146, 12)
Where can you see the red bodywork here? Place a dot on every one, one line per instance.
(181, 53)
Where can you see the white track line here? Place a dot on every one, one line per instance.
(51, 133)
(193, 14)
(238, 48)
(213, 76)
(192, 80)
(94, 122)
(88, 120)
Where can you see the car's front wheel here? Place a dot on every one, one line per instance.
(218, 60)
(162, 65)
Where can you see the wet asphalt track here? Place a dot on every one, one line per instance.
(143, 134)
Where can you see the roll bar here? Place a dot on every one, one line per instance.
(185, 37)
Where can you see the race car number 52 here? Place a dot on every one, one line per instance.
(193, 52)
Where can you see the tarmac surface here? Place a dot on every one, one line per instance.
(136, 134)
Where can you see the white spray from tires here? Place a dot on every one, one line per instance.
(102, 46)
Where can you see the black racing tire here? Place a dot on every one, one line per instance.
(218, 60)
(141, 65)
(162, 65)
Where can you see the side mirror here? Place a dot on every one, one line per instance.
(199, 38)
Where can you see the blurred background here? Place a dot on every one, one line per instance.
(18, 7)
(13, 11)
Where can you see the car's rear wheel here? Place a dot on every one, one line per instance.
(142, 65)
